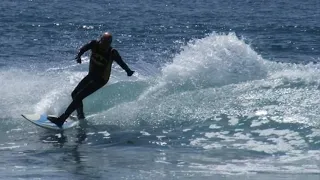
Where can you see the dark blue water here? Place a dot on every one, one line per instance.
(222, 90)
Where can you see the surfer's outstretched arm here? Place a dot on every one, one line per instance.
(121, 63)
(83, 49)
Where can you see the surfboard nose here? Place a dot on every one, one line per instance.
(31, 116)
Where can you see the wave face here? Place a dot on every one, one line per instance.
(217, 96)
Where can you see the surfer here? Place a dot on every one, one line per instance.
(101, 59)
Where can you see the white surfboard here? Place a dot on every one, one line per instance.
(42, 121)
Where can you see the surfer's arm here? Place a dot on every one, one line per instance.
(84, 49)
(121, 63)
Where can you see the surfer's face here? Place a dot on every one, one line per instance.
(105, 41)
(104, 45)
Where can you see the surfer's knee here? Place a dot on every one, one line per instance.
(74, 94)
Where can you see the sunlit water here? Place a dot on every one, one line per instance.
(222, 90)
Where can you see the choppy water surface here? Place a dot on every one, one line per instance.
(222, 90)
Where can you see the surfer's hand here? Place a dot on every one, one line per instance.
(129, 73)
(78, 58)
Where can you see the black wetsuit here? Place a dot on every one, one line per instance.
(98, 76)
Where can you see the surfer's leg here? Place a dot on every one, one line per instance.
(90, 88)
(83, 83)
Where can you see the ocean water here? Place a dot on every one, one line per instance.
(222, 90)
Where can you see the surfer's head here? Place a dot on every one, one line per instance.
(106, 39)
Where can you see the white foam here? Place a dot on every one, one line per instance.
(215, 59)
(105, 133)
(214, 126)
(261, 113)
(145, 133)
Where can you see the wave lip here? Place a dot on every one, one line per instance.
(215, 60)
